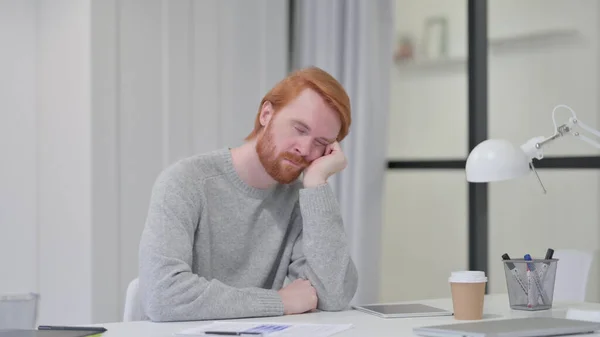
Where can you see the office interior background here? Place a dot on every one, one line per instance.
(98, 96)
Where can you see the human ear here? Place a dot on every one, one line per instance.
(266, 113)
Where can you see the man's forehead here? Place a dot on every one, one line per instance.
(306, 103)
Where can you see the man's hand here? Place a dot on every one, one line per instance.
(298, 297)
(333, 161)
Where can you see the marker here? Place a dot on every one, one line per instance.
(72, 328)
(515, 272)
(544, 268)
(531, 298)
(536, 281)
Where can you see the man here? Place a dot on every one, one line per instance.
(226, 228)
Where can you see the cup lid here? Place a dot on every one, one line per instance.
(467, 276)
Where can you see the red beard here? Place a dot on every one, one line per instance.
(276, 165)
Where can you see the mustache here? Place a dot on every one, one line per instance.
(296, 159)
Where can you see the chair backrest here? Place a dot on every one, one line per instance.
(572, 274)
(18, 311)
(133, 307)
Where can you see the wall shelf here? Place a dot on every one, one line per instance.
(531, 39)
(432, 64)
(548, 36)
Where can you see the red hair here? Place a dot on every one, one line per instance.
(313, 78)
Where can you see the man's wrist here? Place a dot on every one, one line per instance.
(285, 311)
(314, 180)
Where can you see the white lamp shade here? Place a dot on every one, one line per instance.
(495, 160)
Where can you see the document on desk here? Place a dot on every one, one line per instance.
(265, 329)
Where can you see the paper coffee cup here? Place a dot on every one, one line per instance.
(468, 291)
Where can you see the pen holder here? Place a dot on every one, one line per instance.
(18, 311)
(530, 283)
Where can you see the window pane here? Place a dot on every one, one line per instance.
(524, 220)
(428, 118)
(543, 53)
(424, 235)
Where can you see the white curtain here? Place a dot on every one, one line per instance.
(352, 40)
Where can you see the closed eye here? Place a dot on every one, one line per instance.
(300, 130)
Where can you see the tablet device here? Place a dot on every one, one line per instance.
(512, 327)
(48, 333)
(402, 310)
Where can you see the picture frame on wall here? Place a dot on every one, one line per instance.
(435, 37)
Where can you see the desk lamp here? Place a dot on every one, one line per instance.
(498, 159)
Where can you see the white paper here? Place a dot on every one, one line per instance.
(269, 329)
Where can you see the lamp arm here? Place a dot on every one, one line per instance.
(533, 147)
(575, 121)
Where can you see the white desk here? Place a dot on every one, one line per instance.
(496, 307)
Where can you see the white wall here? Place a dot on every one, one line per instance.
(117, 90)
(526, 79)
(106, 252)
(45, 180)
(18, 144)
(63, 159)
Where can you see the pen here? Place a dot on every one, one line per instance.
(232, 333)
(74, 328)
(515, 272)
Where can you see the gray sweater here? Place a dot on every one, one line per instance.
(214, 247)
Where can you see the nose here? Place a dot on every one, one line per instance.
(303, 146)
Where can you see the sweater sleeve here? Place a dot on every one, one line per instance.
(320, 253)
(169, 290)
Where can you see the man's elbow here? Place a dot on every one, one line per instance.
(339, 300)
(161, 308)
(335, 303)
(158, 306)
(157, 310)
